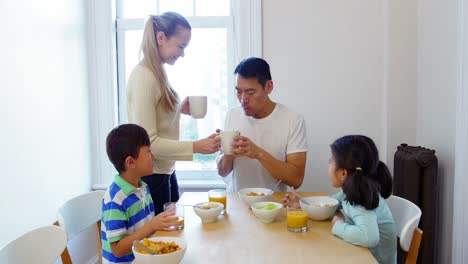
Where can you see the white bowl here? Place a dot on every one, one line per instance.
(250, 199)
(208, 211)
(170, 258)
(320, 208)
(266, 215)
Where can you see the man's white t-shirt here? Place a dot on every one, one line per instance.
(281, 133)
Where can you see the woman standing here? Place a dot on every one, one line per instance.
(154, 105)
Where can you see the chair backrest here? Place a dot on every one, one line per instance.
(41, 245)
(406, 215)
(413, 251)
(80, 213)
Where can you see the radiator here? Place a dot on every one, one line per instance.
(415, 179)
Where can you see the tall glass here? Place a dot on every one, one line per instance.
(179, 210)
(297, 220)
(220, 196)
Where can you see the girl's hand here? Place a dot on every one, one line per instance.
(336, 219)
(291, 201)
(164, 220)
(185, 107)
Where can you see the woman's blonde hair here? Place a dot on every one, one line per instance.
(169, 24)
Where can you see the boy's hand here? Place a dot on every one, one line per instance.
(164, 220)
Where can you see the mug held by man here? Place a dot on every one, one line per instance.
(227, 138)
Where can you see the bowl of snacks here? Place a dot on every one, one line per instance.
(320, 207)
(168, 250)
(253, 195)
(266, 211)
(208, 211)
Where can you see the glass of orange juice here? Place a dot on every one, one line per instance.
(179, 210)
(296, 220)
(218, 195)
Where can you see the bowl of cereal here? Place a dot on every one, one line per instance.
(208, 211)
(253, 195)
(266, 211)
(320, 207)
(168, 250)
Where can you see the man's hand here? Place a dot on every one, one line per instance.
(244, 147)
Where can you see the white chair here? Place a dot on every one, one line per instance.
(406, 215)
(80, 213)
(41, 245)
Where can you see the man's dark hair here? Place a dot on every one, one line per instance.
(254, 68)
(124, 141)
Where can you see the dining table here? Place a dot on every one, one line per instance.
(239, 237)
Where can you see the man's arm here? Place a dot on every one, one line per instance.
(290, 172)
(225, 164)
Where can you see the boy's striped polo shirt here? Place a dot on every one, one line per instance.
(125, 209)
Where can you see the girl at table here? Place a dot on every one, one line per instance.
(365, 183)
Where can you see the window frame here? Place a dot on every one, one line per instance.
(126, 24)
(102, 75)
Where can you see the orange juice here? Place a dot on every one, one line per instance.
(219, 199)
(179, 210)
(297, 220)
(180, 221)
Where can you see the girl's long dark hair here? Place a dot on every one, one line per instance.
(367, 175)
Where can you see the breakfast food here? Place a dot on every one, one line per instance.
(267, 207)
(159, 247)
(255, 194)
(208, 206)
(323, 205)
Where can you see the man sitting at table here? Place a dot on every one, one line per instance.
(271, 150)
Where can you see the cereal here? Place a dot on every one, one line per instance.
(255, 194)
(160, 247)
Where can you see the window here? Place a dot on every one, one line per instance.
(203, 71)
(222, 35)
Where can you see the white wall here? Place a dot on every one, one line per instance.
(387, 69)
(327, 63)
(44, 108)
(437, 83)
(400, 80)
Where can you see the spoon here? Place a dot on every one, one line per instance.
(276, 185)
(192, 205)
(140, 246)
(298, 196)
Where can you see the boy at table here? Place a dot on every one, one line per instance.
(127, 206)
(271, 150)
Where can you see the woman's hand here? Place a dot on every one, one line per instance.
(185, 107)
(207, 145)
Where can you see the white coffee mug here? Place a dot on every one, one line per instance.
(227, 137)
(198, 106)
